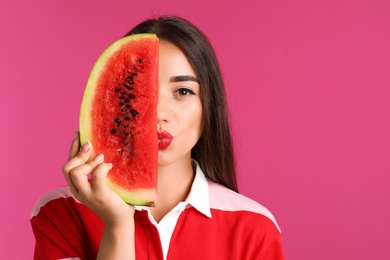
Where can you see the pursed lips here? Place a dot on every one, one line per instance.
(164, 139)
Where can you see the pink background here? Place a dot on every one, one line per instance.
(309, 88)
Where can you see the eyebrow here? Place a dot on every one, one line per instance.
(184, 78)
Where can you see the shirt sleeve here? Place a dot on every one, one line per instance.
(64, 228)
(261, 238)
(273, 252)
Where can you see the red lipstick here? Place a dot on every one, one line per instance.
(164, 139)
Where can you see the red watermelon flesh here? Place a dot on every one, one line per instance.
(118, 116)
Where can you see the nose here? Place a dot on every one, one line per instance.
(162, 109)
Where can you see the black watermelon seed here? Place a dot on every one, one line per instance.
(132, 96)
(118, 121)
(127, 118)
(121, 97)
(121, 104)
(124, 92)
(130, 80)
(128, 87)
(125, 126)
(141, 61)
(117, 89)
(127, 100)
(113, 131)
(133, 113)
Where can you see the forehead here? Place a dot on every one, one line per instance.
(172, 60)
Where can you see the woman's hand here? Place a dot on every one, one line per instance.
(86, 177)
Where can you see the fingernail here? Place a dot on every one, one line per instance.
(86, 147)
(110, 165)
(76, 134)
(99, 158)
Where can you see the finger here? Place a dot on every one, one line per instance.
(75, 146)
(65, 170)
(99, 183)
(81, 158)
(79, 175)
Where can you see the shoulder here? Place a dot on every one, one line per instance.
(64, 227)
(51, 197)
(222, 198)
(58, 210)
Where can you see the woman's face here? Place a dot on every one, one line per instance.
(179, 107)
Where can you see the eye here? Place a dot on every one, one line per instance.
(185, 92)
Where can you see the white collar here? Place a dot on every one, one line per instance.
(199, 193)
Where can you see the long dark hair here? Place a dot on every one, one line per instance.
(214, 150)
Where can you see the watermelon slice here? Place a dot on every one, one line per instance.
(118, 115)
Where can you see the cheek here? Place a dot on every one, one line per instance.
(197, 119)
(192, 120)
(189, 117)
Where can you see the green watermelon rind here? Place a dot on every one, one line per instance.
(144, 197)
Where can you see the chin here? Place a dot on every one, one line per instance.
(166, 158)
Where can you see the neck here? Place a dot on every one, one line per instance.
(173, 186)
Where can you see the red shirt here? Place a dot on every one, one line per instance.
(213, 223)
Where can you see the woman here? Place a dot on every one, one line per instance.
(198, 214)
